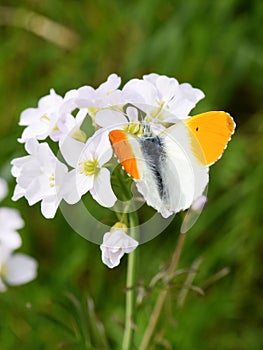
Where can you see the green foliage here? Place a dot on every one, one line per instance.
(216, 46)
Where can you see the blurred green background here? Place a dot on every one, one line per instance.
(216, 46)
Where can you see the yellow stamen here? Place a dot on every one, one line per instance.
(45, 118)
(55, 128)
(52, 180)
(134, 128)
(89, 167)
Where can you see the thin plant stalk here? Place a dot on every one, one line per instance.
(130, 283)
(163, 294)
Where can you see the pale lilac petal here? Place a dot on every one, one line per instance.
(199, 203)
(20, 269)
(102, 191)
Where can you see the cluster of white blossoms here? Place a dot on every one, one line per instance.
(83, 164)
(15, 268)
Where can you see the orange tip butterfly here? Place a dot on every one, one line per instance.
(171, 169)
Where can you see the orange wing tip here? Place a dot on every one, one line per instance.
(117, 136)
(212, 131)
(124, 152)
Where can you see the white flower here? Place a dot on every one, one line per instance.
(39, 177)
(164, 99)
(10, 221)
(107, 95)
(89, 173)
(15, 269)
(115, 244)
(51, 117)
(3, 189)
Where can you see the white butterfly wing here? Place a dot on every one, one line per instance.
(191, 174)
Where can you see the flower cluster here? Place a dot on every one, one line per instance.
(15, 268)
(85, 153)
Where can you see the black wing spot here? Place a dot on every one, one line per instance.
(196, 129)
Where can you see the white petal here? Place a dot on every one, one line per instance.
(84, 183)
(145, 89)
(29, 116)
(108, 118)
(20, 269)
(81, 115)
(19, 192)
(69, 191)
(32, 146)
(5, 253)
(3, 189)
(102, 191)
(38, 130)
(11, 239)
(71, 150)
(132, 114)
(151, 78)
(18, 163)
(111, 259)
(34, 193)
(51, 101)
(49, 206)
(112, 83)
(104, 150)
(11, 218)
(166, 87)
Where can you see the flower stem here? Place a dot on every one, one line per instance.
(130, 281)
(163, 294)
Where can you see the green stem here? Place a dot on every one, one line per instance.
(163, 294)
(130, 282)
